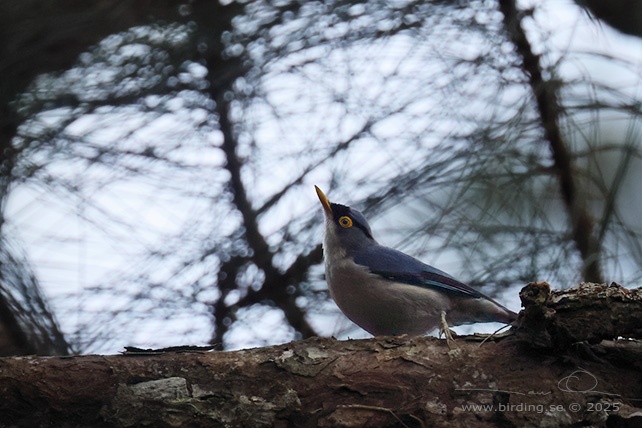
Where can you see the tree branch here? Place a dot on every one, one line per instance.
(385, 381)
(625, 15)
(275, 284)
(549, 114)
(587, 313)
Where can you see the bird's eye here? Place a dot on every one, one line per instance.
(345, 221)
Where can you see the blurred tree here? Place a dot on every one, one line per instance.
(188, 139)
(624, 15)
(27, 325)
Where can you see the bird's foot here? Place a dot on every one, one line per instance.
(448, 333)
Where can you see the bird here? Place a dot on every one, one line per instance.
(390, 293)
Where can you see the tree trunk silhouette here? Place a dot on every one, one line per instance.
(550, 111)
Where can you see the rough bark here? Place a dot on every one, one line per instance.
(586, 313)
(385, 381)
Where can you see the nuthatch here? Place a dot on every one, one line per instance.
(387, 292)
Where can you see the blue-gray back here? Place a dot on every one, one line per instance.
(400, 267)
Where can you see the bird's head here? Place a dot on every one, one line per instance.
(345, 226)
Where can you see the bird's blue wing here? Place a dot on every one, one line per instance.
(400, 267)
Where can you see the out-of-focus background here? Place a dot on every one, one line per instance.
(158, 161)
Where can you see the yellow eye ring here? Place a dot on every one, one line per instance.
(345, 221)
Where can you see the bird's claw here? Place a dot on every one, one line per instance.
(447, 332)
